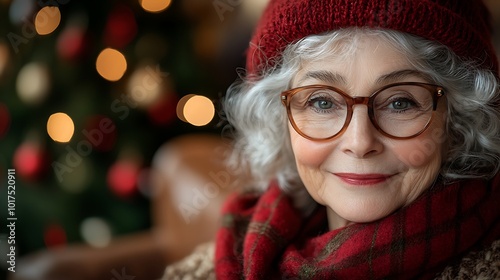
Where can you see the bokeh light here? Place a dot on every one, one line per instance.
(81, 176)
(33, 83)
(20, 10)
(199, 110)
(73, 43)
(111, 64)
(163, 112)
(180, 106)
(47, 20)
(122, 177)
(96, 232)
(30, 161)
(4, 120)
(121, 27)
(101, 132)
(145, 86)
(60, 127)
(155, 6)
(4, 58)
(54, 236)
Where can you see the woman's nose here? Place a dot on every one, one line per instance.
(361, 139)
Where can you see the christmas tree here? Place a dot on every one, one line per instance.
(88, 92)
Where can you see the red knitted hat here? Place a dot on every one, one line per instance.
(462, 25)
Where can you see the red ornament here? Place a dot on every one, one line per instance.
(121, 27)
(4, 120)
(100, 131)
(30, 161)
(54, 236)
(163, 112)
(73, 44)
(122, 178)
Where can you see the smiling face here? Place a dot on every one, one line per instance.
(362, 175)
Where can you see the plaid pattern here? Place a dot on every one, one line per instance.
(264, 237)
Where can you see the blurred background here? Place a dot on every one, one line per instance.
(89, 90)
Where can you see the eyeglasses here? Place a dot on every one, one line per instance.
(399, 111)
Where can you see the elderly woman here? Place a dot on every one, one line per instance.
(372, 130)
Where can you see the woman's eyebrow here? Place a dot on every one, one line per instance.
(398, 75)
(324, 76)
(337, 79)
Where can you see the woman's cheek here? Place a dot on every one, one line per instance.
(309, 153)
(418, 153)
(309, 160)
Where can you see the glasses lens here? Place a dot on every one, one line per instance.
(403, 110)
(318, 112)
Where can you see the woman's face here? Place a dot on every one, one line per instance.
(362, 175)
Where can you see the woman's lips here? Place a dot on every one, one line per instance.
(363, 179)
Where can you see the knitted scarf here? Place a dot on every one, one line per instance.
(265, 237)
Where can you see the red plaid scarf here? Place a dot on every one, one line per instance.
(264, 237)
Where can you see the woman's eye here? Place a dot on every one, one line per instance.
(402, 104)
(322, 104)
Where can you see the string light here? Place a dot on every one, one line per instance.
(47, 20)
(30, 161)
(60, 127)
(101, 132)
(96, 232)
(155, 6)
(4, 120)
(122, 177)
(54, 236)
(4, 58)
(163, 112)
(19, 10)
(121, 27)
(180, 107)
(81, 175)
(73, 43)
(199, 110)
(33, 83)
(111, 64)
(145, 86)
